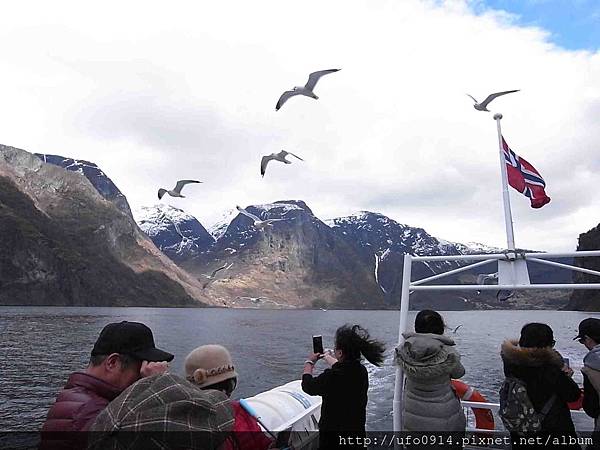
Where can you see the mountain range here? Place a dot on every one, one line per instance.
(302, 261)
(77, 243)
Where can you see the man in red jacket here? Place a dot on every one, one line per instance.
(123, 353)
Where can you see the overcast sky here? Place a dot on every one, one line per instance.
(155, 92)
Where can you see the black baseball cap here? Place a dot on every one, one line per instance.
(589, 327)
(129, 338)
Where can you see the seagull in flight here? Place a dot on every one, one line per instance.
(306, 90)
(259, 224)
(483, 278)
(483, 105)
(176, 192)
(275, 157)
(213, 276)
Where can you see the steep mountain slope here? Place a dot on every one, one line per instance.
(178, 235)
(377, 235)
(64, 244)
(298, 261)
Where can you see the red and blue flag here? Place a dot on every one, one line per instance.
(523, 177)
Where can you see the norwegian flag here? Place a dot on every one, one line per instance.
(524, 178)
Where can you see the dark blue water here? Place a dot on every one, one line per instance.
(41, 346)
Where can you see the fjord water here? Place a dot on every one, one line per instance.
(41, 346)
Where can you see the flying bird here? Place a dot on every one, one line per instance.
(483, 278)
(306, 90)
(213, 276)
(483, 105)
(456, 329)
(275, 157)
(259, 224)
(176, 192)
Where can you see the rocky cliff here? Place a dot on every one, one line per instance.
(103, 184)
(297, 262)
(64, 244)
(584, 300)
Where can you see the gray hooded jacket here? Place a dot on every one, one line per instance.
(429, 362)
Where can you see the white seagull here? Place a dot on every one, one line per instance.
(483, 278)
(213, 276)
(259, 224)
(176, 192)
(275, 157)
(483, 105)
(307, 89)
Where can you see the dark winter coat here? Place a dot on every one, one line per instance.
(541, 371)
(344, 408)
(76, 407)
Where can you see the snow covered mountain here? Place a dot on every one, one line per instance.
(177, 234)
(92, 172)
(303, 261)
(219, 228)
(381, 234)
(298, 261)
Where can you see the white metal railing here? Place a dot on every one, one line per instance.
(511, 256)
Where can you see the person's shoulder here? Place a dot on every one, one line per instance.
(355, 367)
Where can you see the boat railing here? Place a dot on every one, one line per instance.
(494, 408)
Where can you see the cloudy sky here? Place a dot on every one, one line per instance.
(153, 93)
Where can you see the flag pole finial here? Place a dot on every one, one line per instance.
(497, 116)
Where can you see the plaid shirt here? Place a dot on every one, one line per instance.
(163, 412)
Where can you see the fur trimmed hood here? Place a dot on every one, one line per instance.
(513, 354)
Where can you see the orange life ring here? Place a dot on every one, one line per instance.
(484, 419)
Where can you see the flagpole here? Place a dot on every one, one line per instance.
(510, 235)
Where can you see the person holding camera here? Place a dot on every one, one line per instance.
(344, 385)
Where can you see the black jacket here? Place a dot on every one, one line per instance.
(344, 391)
(540, 369)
